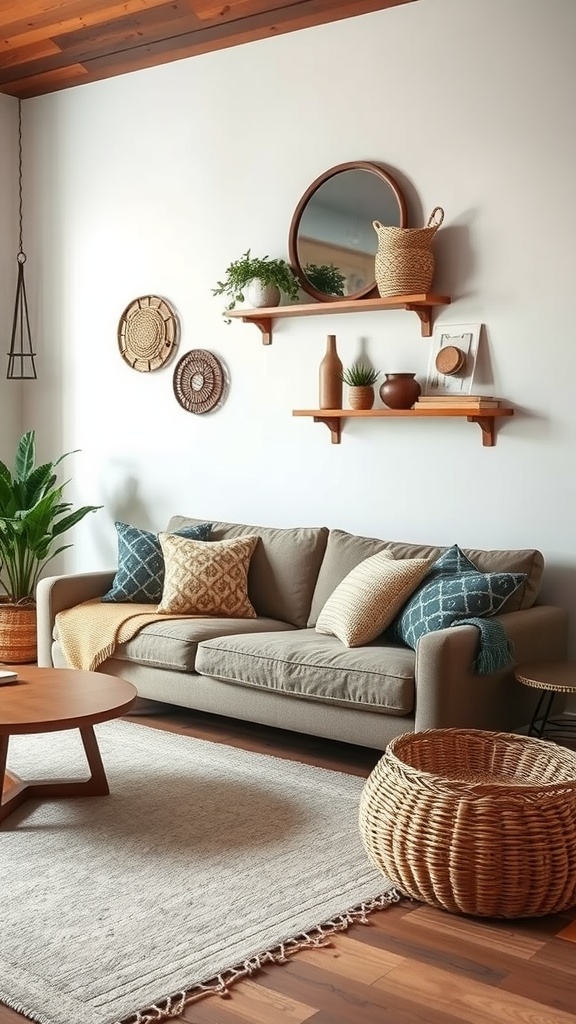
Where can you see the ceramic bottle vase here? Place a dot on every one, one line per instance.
(400, 390)
(330, 379)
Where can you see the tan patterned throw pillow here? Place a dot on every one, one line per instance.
(206, 578)
(368, 598)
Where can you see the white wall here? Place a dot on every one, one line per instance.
(153, 182)
(10, 391)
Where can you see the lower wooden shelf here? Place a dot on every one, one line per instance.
(486, 419)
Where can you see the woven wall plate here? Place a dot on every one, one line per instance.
(198, 381)
(148, 333)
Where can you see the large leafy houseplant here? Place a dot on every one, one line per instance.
(248, 268)
(33, 518)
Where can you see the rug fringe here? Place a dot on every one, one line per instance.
(174, 1005)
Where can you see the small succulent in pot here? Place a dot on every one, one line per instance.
(269, 272)
(360, 379)
(359, 375)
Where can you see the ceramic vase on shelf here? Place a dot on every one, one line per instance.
(330, 377)
(400, 390)
(259, 295)
(361, 396)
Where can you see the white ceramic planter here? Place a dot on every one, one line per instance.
(259, 295)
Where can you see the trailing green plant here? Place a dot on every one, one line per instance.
(325, 278)
(249, 268)
(360, 376)
(33, 517)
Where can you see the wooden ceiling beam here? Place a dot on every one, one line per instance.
(59, 43)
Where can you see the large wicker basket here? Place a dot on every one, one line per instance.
(475, 822)
(404, 260)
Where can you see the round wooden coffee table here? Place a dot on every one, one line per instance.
(50, 699)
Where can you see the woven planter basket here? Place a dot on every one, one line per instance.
(17, 633)
(404, 259)
(475, 822)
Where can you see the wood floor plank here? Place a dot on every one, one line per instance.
(568, 933)
(352, 959)
(250, 1001)
(349, 1000)
(469, 1000)
(557, 991)
(502, 935)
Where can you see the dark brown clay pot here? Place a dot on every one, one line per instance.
(400, 390)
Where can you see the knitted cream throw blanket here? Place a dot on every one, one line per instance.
(90, 632)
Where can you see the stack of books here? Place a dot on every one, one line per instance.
(473, 402)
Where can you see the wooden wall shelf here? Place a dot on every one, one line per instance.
(422, 305)
(333, 418)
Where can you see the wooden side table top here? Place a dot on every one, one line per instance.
(49, 699)
(559, 676)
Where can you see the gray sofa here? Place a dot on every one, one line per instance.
(278, 671)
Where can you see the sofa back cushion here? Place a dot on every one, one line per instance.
(344, 551)
(283, 569)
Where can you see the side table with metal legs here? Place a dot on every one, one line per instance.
(551, 678)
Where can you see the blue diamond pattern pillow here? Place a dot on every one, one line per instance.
(453, 589)
(140, 574)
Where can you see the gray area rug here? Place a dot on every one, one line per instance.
(203, 863)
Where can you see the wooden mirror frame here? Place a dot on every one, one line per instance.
(354, 165)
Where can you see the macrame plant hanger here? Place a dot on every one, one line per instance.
(21, 364)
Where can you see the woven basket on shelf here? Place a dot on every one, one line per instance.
(475, 822)
(404, 259)
(17, 633)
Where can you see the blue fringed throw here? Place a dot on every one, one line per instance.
(495, 650)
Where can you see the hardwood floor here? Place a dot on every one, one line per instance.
(411, 964)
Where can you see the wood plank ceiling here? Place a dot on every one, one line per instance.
(46, 45)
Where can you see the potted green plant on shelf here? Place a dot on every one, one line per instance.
(360, 379)
(325, 278)
(33, 518)
(259, 280)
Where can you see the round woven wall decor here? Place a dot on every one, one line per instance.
(198, 381)
(147, 333)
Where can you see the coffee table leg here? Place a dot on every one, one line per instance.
(16, 791)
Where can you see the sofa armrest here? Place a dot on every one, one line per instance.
(55, 593)
(450, 695)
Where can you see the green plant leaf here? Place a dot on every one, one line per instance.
(32, 517)
(25, 456)
(359, 375)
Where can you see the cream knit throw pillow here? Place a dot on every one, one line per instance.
(369, 597)
(206, 578)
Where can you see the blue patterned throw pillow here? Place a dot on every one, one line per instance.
(140, 574)
(453, 590)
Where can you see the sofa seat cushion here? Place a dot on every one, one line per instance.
(344, 551)
(283, 568)
(378, 677)
(174, 642)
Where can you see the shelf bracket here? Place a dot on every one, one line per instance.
(264, 325)
(487, 426)
(334, 424)
(424, 314)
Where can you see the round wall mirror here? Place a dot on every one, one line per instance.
(332, 242)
